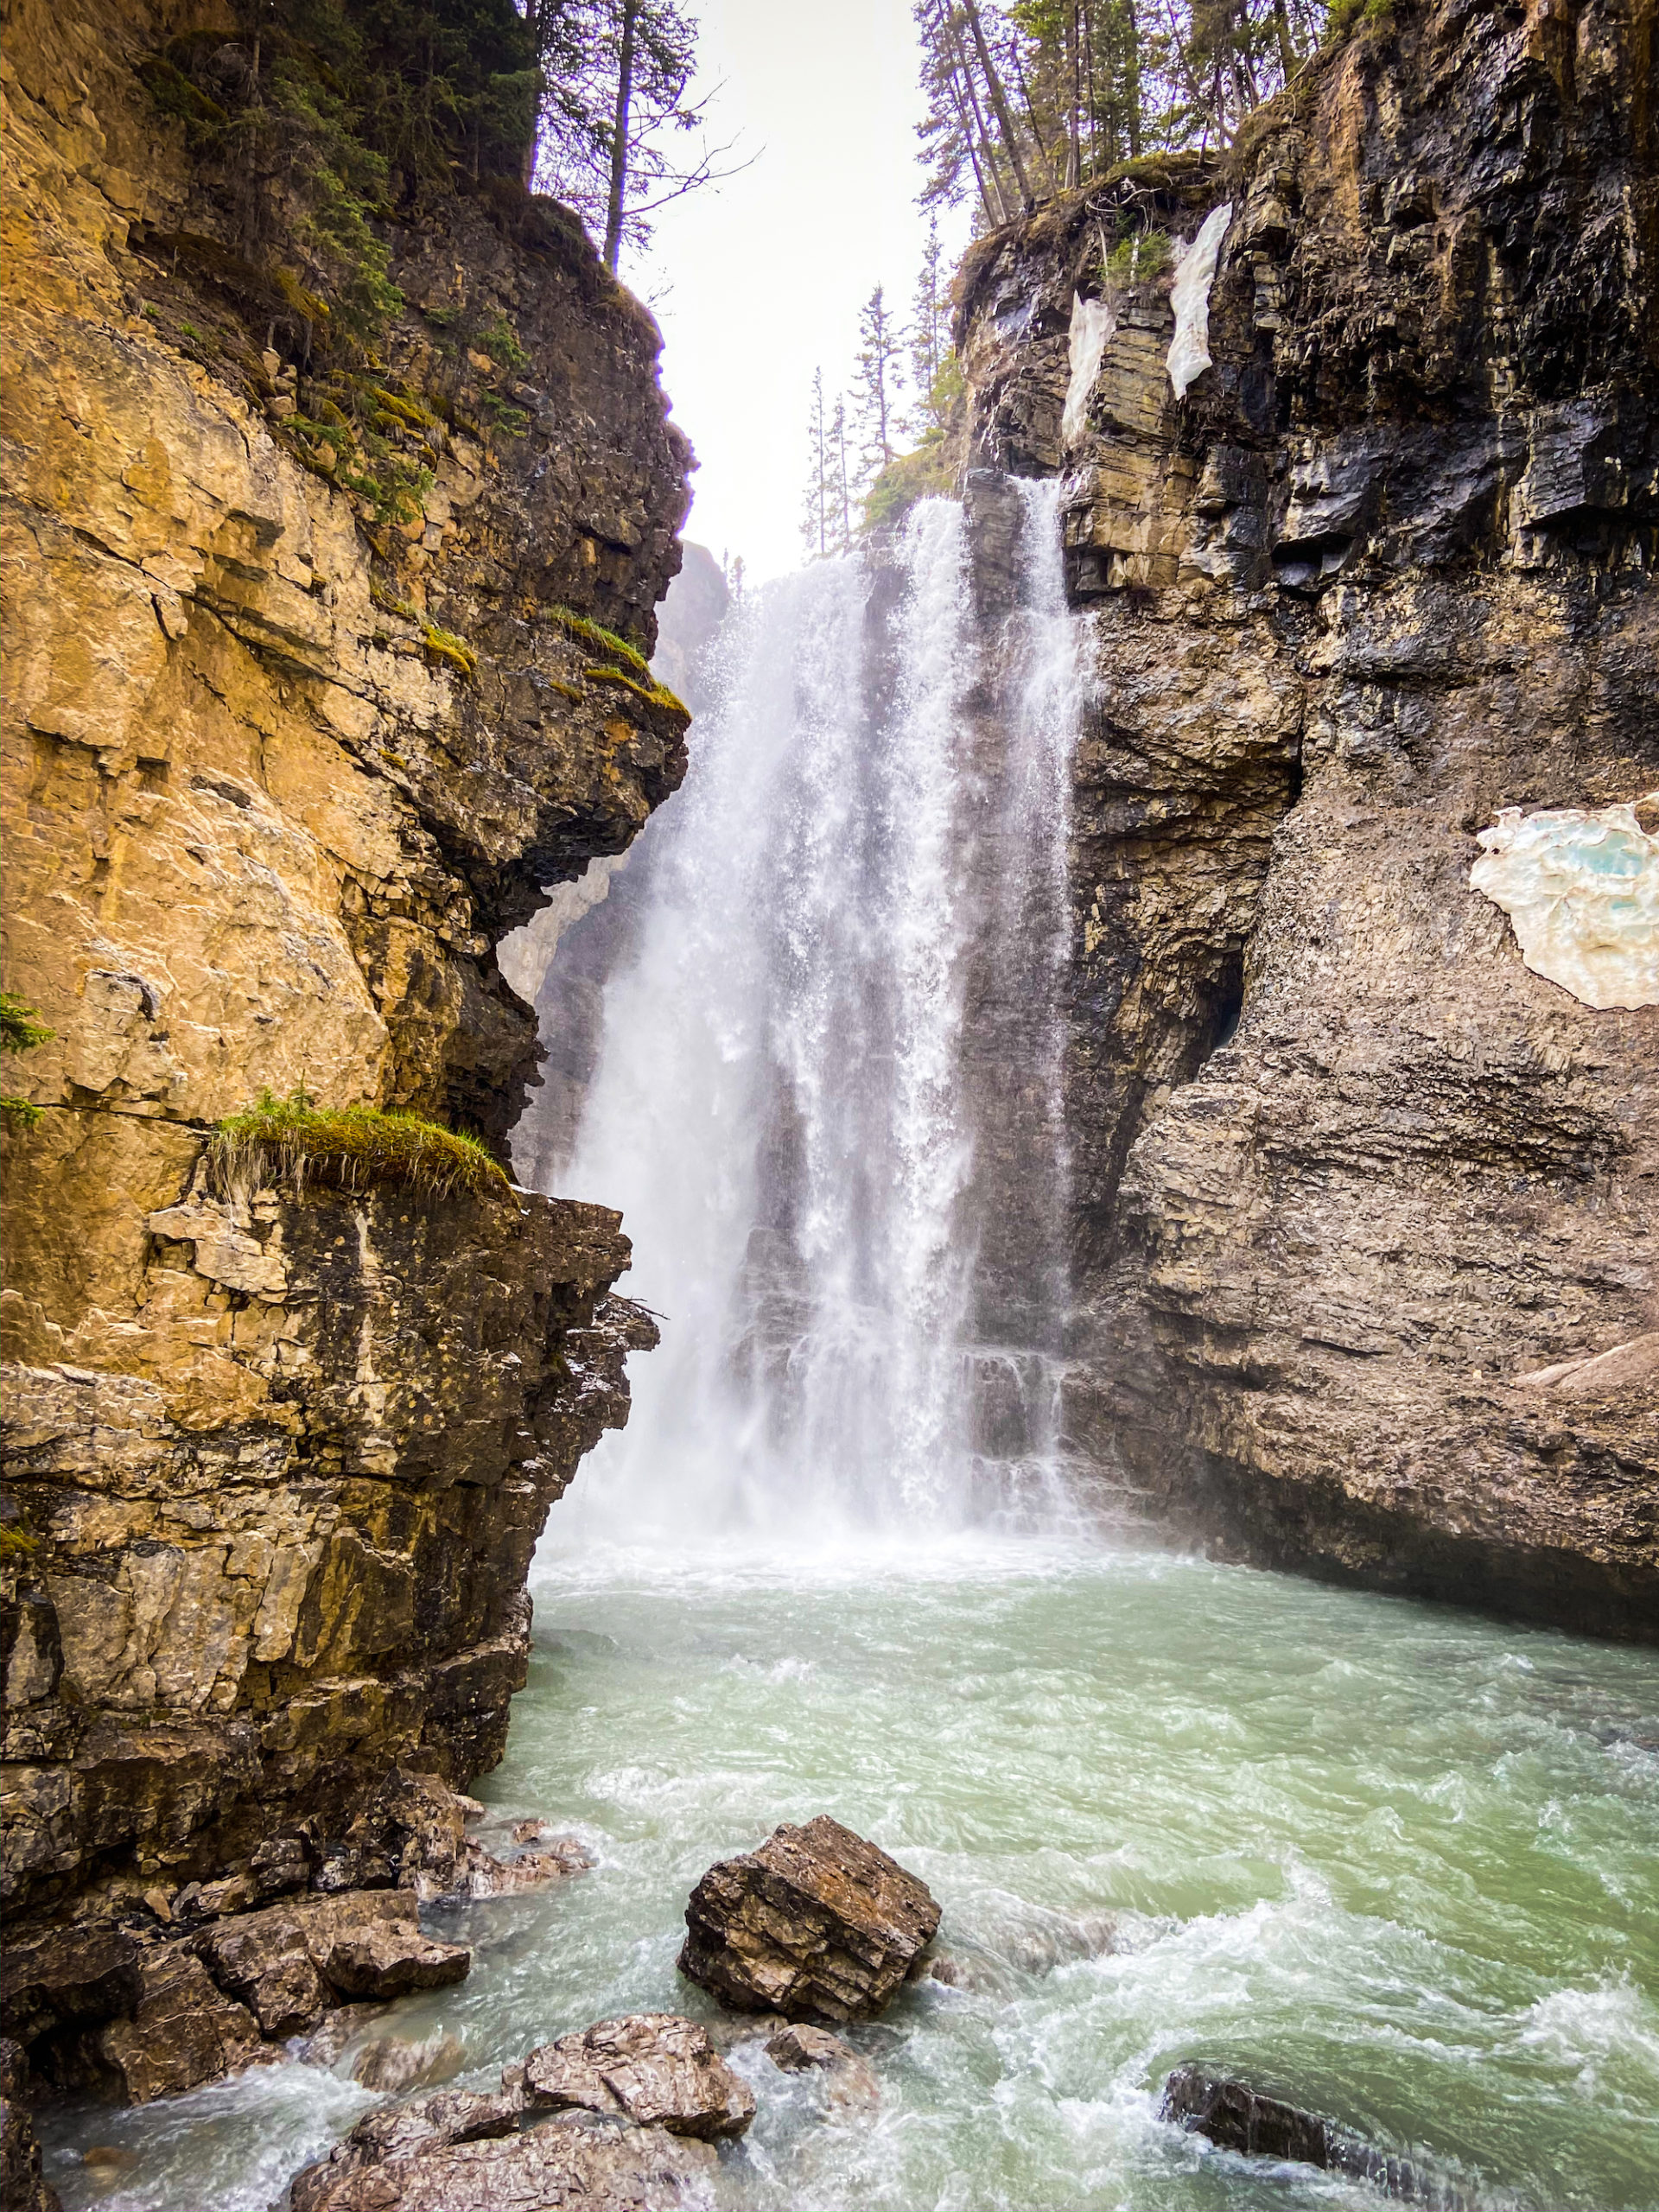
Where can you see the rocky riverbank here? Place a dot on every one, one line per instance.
(1358, 1195)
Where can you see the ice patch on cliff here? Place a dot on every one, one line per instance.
(1189, 350)
(1092, 325)
(1581, 887)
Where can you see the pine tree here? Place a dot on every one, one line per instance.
(617, 77)
(928, 338)
(841, 477)
(816, 509)
(879, 381)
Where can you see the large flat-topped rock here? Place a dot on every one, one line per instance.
(817, 1922)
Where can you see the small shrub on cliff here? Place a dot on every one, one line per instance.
(350, 1148)
(21, 1031)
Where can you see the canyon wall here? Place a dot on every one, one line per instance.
(1364, 1211)
(288, 749)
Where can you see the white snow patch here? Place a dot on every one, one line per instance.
(1581, 887)
(1195, 272)
(1092, 327)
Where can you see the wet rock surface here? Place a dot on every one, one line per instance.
(289, 1963)
(652, 2068)
(1237, 2118)
(1347, 1172)
(23, 2188)
(570, 2164)
(848, 2080)
(817, 1922)
(516, 2150)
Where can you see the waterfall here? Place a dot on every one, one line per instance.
(832, 1055)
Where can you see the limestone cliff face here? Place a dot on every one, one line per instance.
(281, 769)
(1346, 1173)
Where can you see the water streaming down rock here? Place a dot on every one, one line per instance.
(827, 1096)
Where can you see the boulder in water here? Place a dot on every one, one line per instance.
(1237, 2118)
(816, 1922)
(652, 2068)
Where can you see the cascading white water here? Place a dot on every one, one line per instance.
(848, 967)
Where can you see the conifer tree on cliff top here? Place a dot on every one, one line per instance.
(1032, 97)
(616, 107)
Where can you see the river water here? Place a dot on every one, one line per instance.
(1395, 1863)
(1393, 1860)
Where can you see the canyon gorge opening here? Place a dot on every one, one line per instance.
(939, 1261)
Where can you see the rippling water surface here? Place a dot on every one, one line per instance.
(1395, 1862)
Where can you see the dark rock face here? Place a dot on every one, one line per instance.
(458, 2152)
(592, 925)
(1235, 2118)
(23, 2188)
(1347, 1174)
(134, 2016)
(652, 2068)
(817, 1922)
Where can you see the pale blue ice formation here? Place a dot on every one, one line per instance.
(1092, 325)
(1581, 887)
(1189, 350)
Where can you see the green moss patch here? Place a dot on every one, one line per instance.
(596, 633)
(654, 694)
(352, 1148)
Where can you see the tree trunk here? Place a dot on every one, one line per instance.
(999, 107)
(619, 139)
(966, 94)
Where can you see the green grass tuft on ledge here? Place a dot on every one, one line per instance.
(596, 633)
(352, 1148)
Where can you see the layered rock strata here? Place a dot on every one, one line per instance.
(616, 2118)
(817, 1923)
(1355, 1192)
(281, 768)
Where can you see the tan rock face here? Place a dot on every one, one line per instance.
(277, 1460)
(1347, 1172)
(652, 2068)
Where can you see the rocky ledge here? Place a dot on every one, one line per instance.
(1363, 1206)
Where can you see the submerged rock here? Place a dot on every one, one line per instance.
(849, 2081)
(817, 1922)
(652, 2068)
(391, 2063)
(1236, 2118)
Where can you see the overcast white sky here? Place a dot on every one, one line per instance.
(758, 281)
